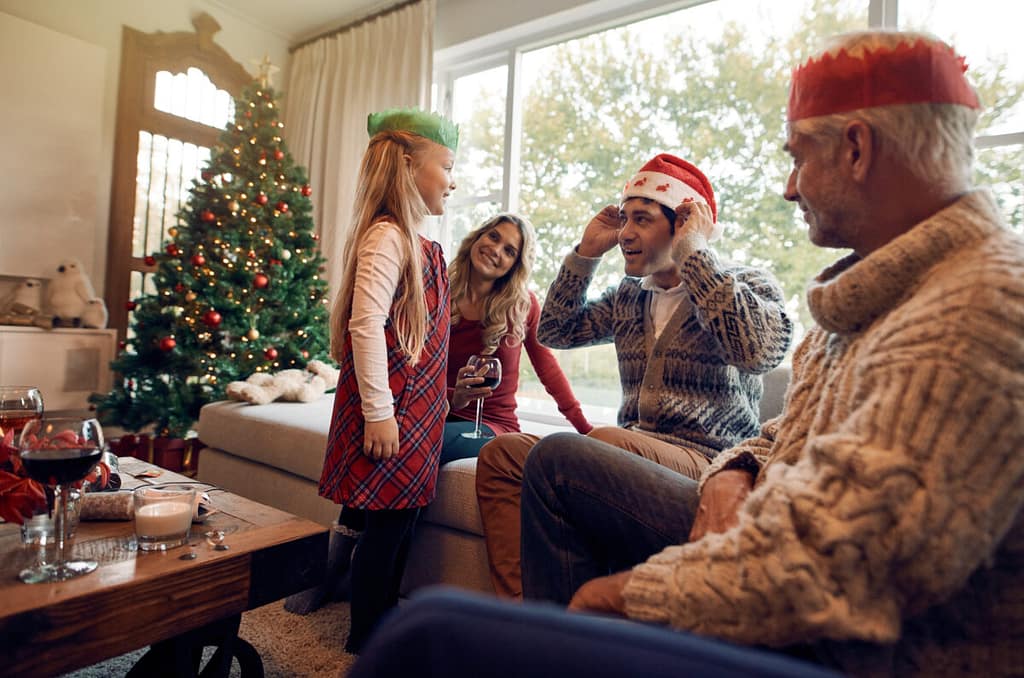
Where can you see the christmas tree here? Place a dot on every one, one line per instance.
(238, 284)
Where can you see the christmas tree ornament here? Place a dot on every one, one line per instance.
(233, 205)
(253, 334)
(172, 250)
(281, 206)
(167, 344)
(179, 287)
(208, 216)
(271, 353)
(307, 190)
(260, 281)
(262, 199)
(286, 254)
(279, 154)
(190, 296)
(149, 260)
(130, 306)
(198, 260)
(173, 232)
(212, 318)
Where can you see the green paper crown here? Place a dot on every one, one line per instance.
(433, 126)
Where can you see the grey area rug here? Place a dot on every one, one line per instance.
(289, 645)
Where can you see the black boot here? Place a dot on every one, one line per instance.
(339, 557)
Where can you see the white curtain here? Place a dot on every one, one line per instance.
(333, 84)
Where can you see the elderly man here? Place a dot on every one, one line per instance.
(877, 524)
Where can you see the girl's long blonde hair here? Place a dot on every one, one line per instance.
(507, 306)
(387, 191)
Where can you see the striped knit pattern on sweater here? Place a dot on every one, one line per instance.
(698, 385)
(885, 527)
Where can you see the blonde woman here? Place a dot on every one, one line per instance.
(493, 313)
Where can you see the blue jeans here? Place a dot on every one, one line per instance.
(446, 632)
(454, 446)
(590, 509)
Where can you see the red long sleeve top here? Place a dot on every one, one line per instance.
(499, 410)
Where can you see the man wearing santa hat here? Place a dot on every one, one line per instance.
(692, 336)
(878, 523)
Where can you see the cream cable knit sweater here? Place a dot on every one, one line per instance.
(886, 525)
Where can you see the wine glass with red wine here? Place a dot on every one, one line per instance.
(58, 452)
(18, 406)
(488, 367)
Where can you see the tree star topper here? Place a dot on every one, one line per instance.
(266, 70)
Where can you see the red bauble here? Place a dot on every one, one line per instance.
(173, 250)
(130, 305)
(262, 199)
(150, 260)
(248, 114)
(207, 216)
(279, 154)
(275, 262)
(260, 281)
(305, 353)
(122, 344)
(198, 260)
(307, 190)
(211, 318)
(316, 236)
(167, 344)
(206, 175)
(271, 353)
(179, 288)
(282, 206)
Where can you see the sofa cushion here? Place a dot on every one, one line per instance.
(285, 435)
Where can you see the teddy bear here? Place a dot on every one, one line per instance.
(291, 385)
(68, 293)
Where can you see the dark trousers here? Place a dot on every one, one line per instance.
(377, 566)
(450, 633)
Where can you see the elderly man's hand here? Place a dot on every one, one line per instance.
(720, 502)
(603, 594)
(602, 233)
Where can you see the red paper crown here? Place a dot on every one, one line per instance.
(922, 72)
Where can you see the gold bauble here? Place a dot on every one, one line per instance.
(253, 334)
(190, 296)
(233, 205)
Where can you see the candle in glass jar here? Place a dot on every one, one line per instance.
(163, 519)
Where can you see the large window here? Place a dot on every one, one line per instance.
(554, 124)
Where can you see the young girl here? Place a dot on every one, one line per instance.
(389, 335)
(493, 313)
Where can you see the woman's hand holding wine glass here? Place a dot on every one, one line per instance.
(485, 373)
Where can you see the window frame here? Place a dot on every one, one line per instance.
(142, 56)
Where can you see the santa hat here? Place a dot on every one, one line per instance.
(913, 72)
(671, 181)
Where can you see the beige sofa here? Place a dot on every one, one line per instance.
(273, 454)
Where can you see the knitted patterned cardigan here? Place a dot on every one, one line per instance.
(699, 384)
(885, 527)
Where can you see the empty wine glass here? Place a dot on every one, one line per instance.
(18, 406)
(489, 368)
(58, 452)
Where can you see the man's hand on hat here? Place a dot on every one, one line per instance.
(695, 227)
(602, 233)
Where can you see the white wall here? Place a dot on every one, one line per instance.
(98, 23)
(460, 21)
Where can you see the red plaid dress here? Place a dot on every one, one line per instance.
(408, 479)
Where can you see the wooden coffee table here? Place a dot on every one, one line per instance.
(135, 599)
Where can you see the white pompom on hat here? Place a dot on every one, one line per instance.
(671, 181)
